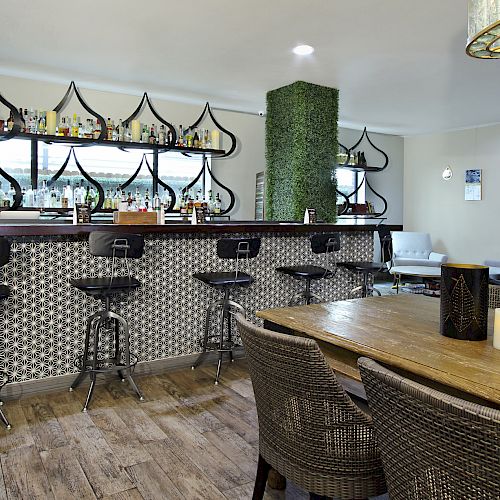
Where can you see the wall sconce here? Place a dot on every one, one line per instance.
(447, 173)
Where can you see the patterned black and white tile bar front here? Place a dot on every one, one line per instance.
(44, 319)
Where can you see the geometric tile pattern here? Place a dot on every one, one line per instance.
(43, 321)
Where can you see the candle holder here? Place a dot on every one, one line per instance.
(464, 301)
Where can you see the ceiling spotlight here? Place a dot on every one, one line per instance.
(303, 50)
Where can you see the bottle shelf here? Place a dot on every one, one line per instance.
(360, 168)
(80, 141)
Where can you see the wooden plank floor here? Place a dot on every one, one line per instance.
(188, 440)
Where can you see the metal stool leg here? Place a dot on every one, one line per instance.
(3, 418)
(83, 372)
(204, 353)
(229, 332)
(126, 347)
(93, 374)
(117, 347)
(221, 345)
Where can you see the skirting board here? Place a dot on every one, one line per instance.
(19, 390)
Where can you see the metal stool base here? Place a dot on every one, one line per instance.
(222, 345)
(91, 365)
(367, 289)
(305, 296)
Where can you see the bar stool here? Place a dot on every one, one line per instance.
(368, 269)
(238, 249)
(123, 246)
(329, 244)
(4, 295)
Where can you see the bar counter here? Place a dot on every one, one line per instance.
(44, 318)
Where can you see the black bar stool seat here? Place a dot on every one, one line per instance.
(106, 285)
(4, 292)
(364, 267)
(305, 272)
(223, 279)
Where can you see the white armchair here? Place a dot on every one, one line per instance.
(494, 266)
(415, 249)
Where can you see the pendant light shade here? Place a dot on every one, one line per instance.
(484, 29)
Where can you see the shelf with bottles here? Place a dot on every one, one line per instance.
(78, 141)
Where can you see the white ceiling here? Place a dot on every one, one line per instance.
(400, 65)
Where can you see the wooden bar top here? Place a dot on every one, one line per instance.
(400, 331)
(46, 229)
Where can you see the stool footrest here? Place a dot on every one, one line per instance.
(113, 365)
(215, 346)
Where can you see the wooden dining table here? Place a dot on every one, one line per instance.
(402, 333)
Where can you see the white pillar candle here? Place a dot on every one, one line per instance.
(51, 123)
(496, 330)
(215, 139)
(136, 131)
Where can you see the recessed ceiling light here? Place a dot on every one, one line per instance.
(303, 50)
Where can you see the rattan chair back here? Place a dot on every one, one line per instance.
(433, 446)
(310, 431)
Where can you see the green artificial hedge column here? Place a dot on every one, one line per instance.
(301, 150)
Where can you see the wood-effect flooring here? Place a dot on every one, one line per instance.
(190, 439)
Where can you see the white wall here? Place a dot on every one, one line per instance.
(237, 172)
(468, 231)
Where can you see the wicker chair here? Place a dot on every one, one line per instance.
(310, 431)
(433, 446)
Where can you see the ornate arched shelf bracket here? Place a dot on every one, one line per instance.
(73, 88)
(352, 148)
(347, 197)
(208, 110)
(135, 174)
(18, 120)
(146, 100)
(225, 188)
(86, 176)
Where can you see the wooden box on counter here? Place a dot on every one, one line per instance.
(134, 218)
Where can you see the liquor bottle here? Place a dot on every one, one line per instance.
(88, 197)
(145, 135)
(2, 195)
(210, 203)
(97, 129)
(156, 203)
(128, 134)
(152, 137)
(53, 198)
(40, 126)
(108, 201)
(30, 198)
(166, 199)
(67, 199)
(121, 131)
(74, 126)
(197, 202)
(116, 199)
(161, 135)
(147, 201)
(183, 203)
(196, 138)
(180, 138)
(190, 203)
(189, 139)
(10, 122)
(123, 206)
(208, 142)
(217, 205)
(109, 130)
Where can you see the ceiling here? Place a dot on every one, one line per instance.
(400, 65)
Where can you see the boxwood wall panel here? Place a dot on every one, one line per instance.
(301, 148)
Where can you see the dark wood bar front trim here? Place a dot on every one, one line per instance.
(223, 228)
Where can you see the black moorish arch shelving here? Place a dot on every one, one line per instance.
(152, 150)
(361, 177)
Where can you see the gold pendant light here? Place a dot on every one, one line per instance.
(484, 29)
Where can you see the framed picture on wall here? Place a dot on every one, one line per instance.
(473, 185)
